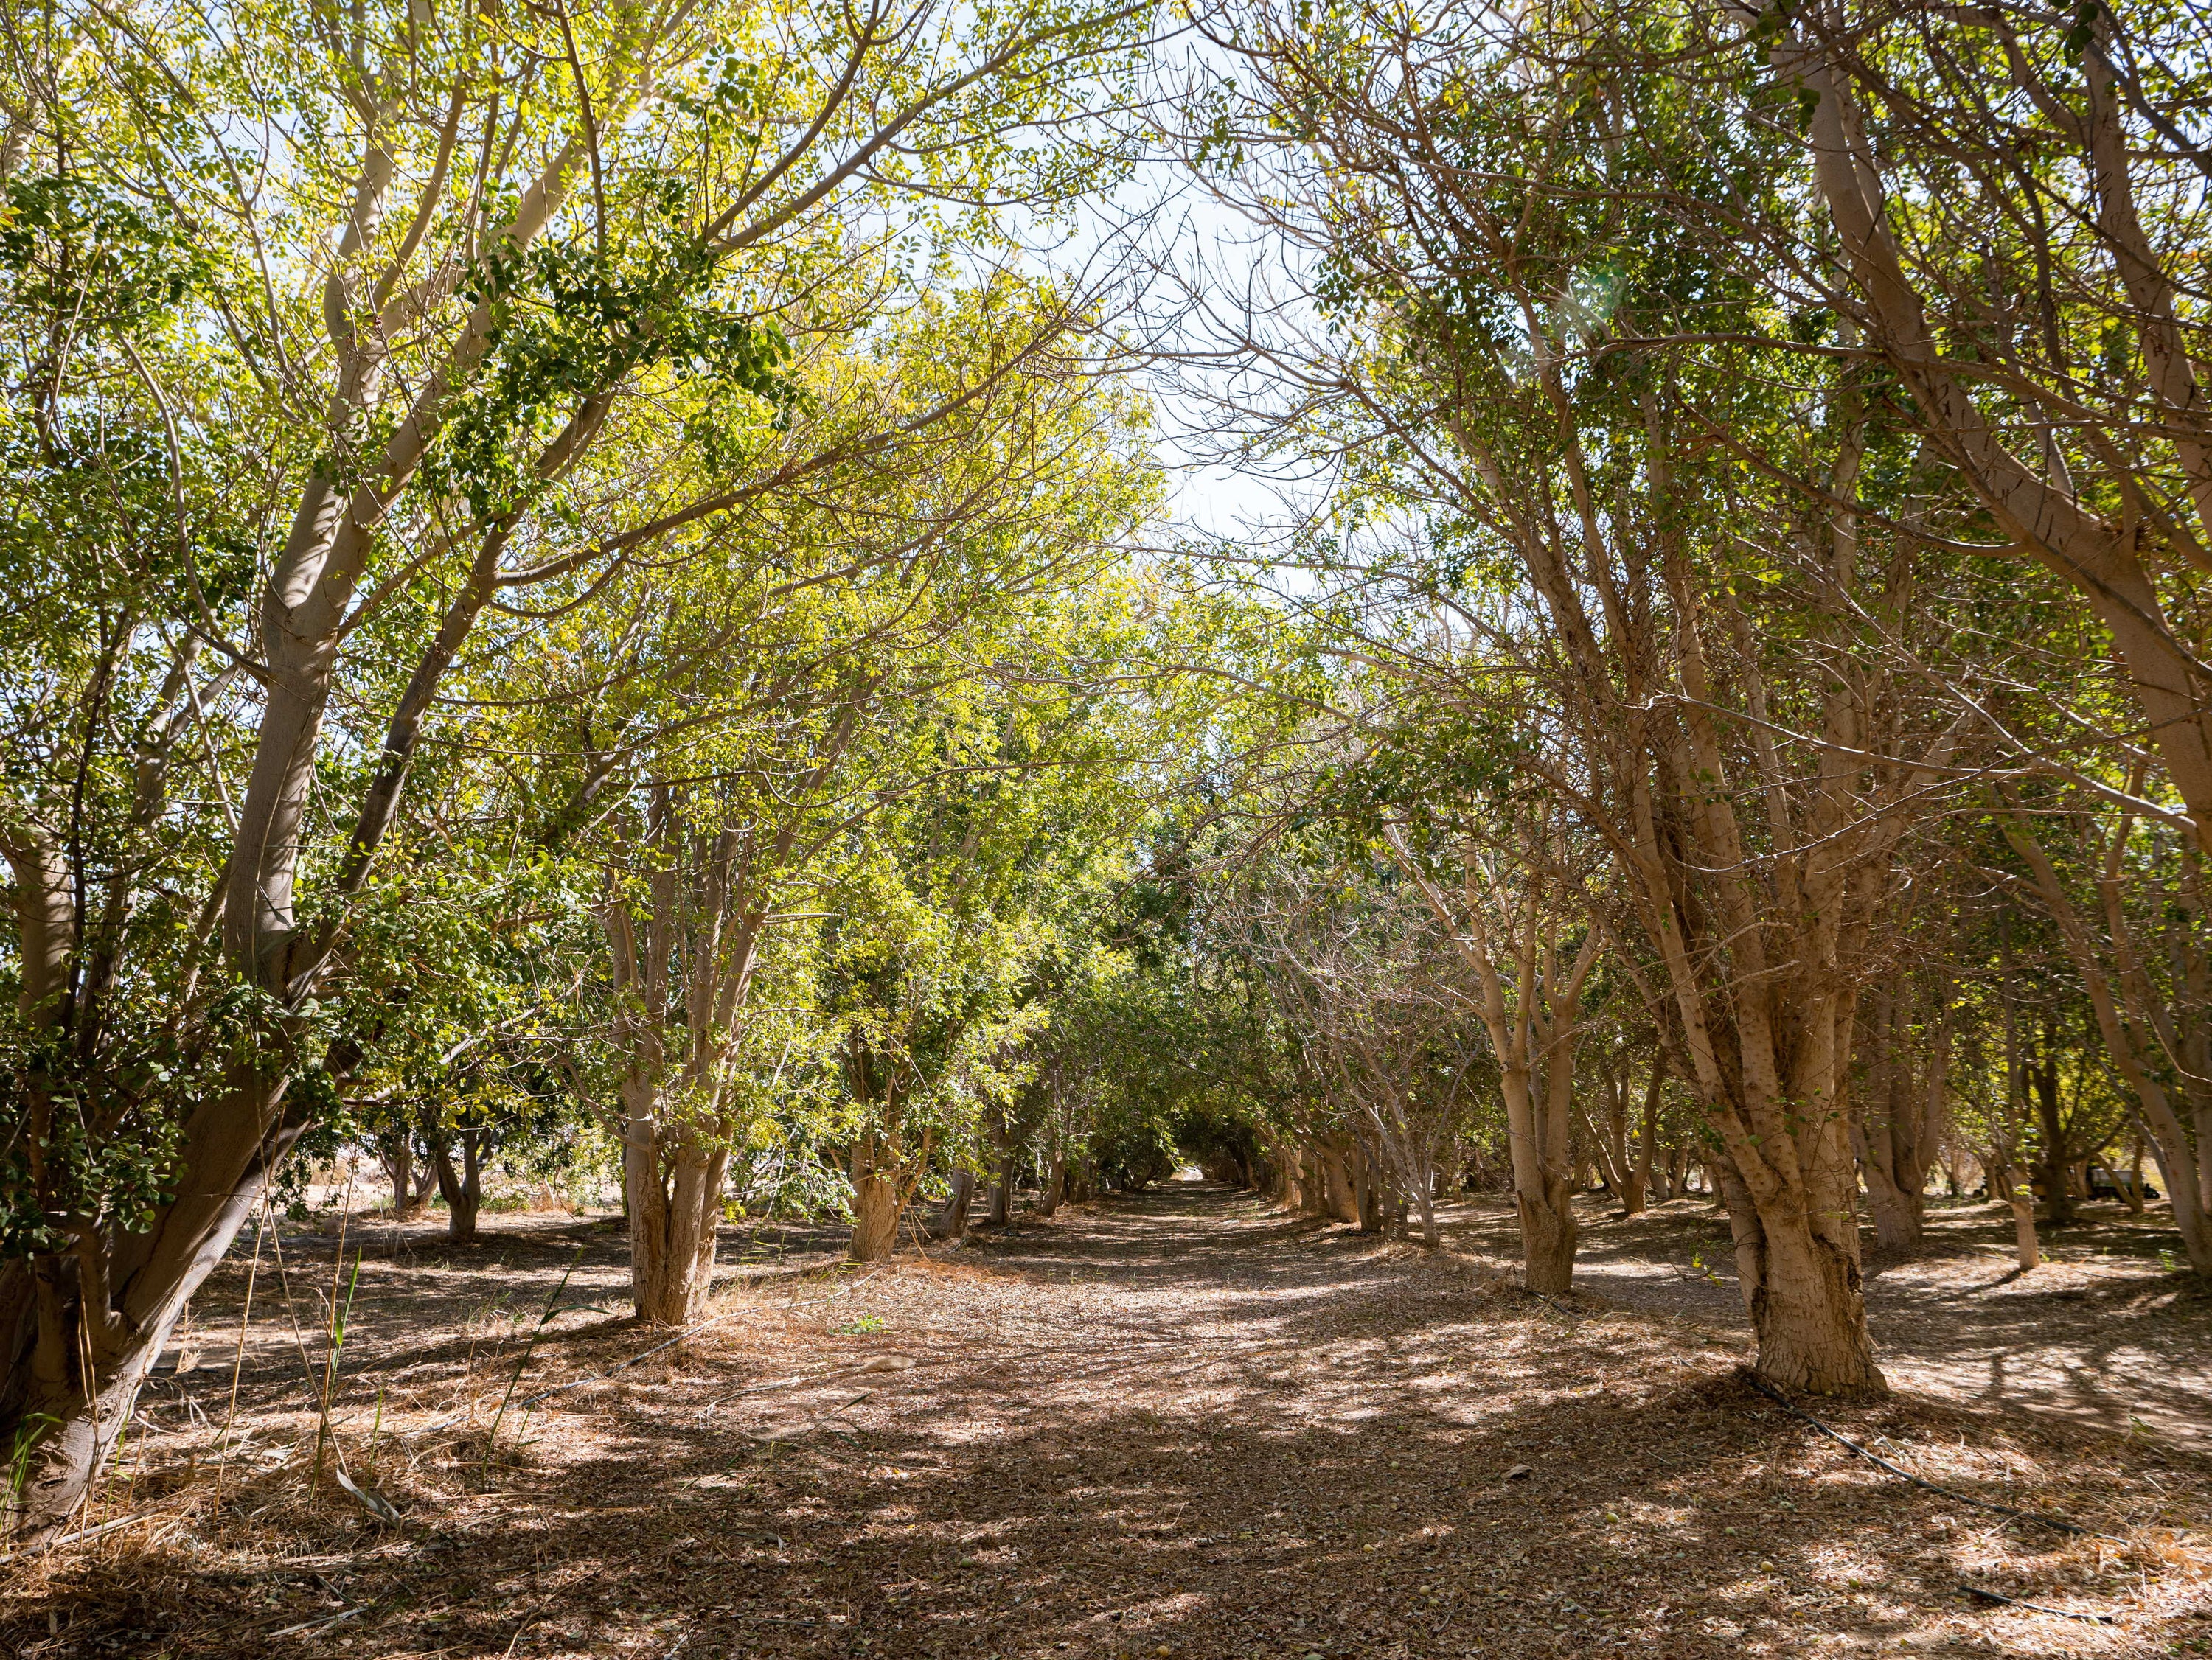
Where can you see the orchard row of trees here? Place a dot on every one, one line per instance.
(1759, 484)
(608, 571)
(563, 566)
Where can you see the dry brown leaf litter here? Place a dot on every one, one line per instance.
(1181, 1424)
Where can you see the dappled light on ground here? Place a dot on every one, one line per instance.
(1178, 1425)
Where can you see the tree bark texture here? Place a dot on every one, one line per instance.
(1898, 1124)
(951, 1221)
(463, 1189)
(875, 1203)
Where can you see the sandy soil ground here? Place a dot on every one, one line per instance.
(1180, 1425)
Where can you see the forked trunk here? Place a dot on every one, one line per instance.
(1808, 1308)
(1632, 1190)
(1900, 1109)
(59, 1430)
(410, 1186)
(462, 1189)
(55, 1494)
(1424, 1200)
(1002, 1192)
(1537, 1113)
(674, 1213)
(875, 1203)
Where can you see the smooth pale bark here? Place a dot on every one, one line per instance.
(463, 1189)
(683, 943)
(1898, 1127)
(1509, 928)
(951, 1221)
(2017, 1193)
(1343, 1203)
(140, 1283)
(2037, 512)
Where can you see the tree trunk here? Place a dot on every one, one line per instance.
(675, 1208)
(1803, 1286)
(2021, 1197)
(1537, 1113)
(875, 1203)
(1547, 1236)
(1052, 1184)
(1343, 1205)
(462, 1189)
(1895, 1129)
(2134, 1196)
(396, 1153)
(1636, 1194)
(1431, 1234)
(1899, 1214)
(62, 1432)
(1369, 1183)
(951, 1221)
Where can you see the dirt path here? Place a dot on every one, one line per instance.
(2106, 1334)
(1181, 1425)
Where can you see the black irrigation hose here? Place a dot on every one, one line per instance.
(1975, 1591)
(1981, 1595)
(1567, 1314)
(2062, 1525)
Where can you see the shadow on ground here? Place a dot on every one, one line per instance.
(1180, 1425)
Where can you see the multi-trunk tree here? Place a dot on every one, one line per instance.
(449, 289)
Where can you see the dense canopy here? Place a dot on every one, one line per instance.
(896, 617)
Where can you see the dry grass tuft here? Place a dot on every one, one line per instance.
(1180, 1425)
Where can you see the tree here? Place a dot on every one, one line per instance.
(1487, 234)
(1514, 917)
(461, 267)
